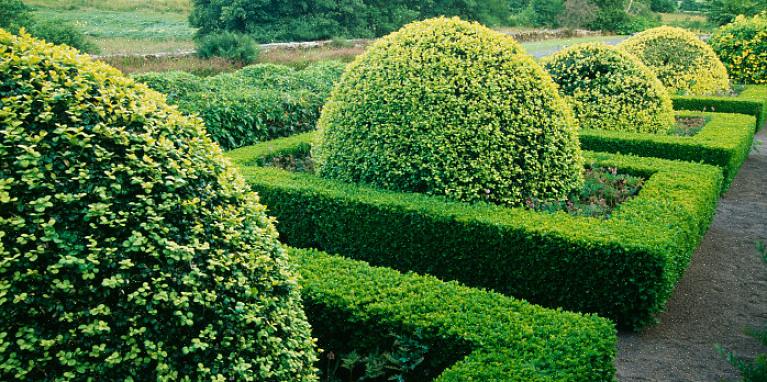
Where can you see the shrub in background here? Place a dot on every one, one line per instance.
(742, 47)
(254, 104)
(610, 89)
(15, 15)
(681, 61)
(129, 248)
(725, 11)
(448, 107)
(232, 46)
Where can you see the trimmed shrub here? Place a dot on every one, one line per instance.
(724, 141)
(752, 100)
(680, 60)
(129, 248)
(492, 337)
(232, 46)
(623, 268)
(742, 47)
(448, 107)
(610, 89)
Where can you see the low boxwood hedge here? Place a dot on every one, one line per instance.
(623, 268)
(724, 141)
(492, 337)
(752, 101)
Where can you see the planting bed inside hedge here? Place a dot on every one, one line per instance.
(623, 268)
(724, 141)
(468, 334)
(752, 100)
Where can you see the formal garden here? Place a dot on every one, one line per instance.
(442, 206)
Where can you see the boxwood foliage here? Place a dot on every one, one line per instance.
(623, 268)
(742, 47)
(448, 107)
(610, 89)
(683, 63)
(752, 100)
(254, 104)
(129, 248)
(492, 337)
(724, 141)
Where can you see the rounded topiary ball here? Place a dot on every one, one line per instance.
(742, 47)
(452, 108)
(610, 89)
(681, 61)
(129, 248)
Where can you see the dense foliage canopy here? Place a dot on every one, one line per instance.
(452, 108)
(683, 63)
(610, 89)
(742, 47)
(129, 248)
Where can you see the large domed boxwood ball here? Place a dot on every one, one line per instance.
(129, 248)
(448, 107)
(742, 47)
(610, 89)
(681, 61)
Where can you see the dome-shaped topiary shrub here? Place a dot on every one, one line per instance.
(610, 89)
(680, 60)
(448, 107)
(742, 47)
(129, 248)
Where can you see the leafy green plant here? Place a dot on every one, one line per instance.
(232, 46)
(610, 89)
(681, 61)
(448, 107)
(395, 363)
(742, 47)
(130, 249)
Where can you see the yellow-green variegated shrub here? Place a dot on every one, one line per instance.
(610, 89)
(448, 107)
(681, 61)
(742, 47)
(129, 248)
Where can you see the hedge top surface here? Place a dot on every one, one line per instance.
(742, 46)
(535, 255)
(683, 63)
(506, 339)
(610, 89)
(449, 107)
(130, 249)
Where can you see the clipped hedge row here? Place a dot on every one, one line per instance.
(492, 337)
(725, 142)
(254, 104)
(751, 101)
(623, 268)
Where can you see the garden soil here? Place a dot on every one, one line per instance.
(723, 292)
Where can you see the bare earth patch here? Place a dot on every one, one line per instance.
(723, 291)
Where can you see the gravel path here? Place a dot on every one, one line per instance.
(723, 291)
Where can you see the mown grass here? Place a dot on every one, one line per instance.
(693, 21)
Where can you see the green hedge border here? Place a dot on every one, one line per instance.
(623, 268)
(725, 141)
(502, 338)
(751, 101)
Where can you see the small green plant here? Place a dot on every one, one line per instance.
(751, 370)
(402, 358)
(233, 46)
(604, 189)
